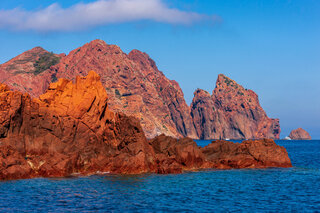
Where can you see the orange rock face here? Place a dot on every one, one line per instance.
(299, 134)
(70, 129)
(231, 112)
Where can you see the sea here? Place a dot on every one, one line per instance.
(294, 189)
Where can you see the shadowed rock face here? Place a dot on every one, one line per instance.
(248, 154)
(299, 134)
(175, 156)
(231, 112)
(70, 129)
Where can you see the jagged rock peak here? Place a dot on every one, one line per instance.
(201, 91)
(29, 56)
(231, 112)
(225, 83)
(98, 46)
(37, 49)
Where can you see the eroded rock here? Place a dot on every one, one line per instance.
(299, 134)
(231, 112)
(70, 130)
(248, 154)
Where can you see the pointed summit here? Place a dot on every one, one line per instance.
(30, 71)
(99, 47)
(231, 112)
(142, 58)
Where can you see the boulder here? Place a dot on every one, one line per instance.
(262, 153)
(299, 134)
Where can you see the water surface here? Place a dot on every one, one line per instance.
(252, 190)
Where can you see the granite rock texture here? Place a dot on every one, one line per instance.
(137, 88)
(231, 112)
(70, 130)
(133, 82)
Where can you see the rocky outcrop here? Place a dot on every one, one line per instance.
(71, 130)
(231, 112)
(175, 156)
(248, 154)
(133, 82)
(299, 134)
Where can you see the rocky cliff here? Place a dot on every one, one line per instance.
(299, 134)
(133, 82)
(231, 112)
(70, 130)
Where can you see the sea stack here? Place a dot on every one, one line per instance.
(299, 134)
(231, 112)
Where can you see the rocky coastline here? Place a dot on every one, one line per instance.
(70, 129)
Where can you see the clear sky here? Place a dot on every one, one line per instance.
(270, 46)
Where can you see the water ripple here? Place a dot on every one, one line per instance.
(272, 190)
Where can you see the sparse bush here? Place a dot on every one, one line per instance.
(45, 62)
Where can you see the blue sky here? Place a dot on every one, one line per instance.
(270, 46)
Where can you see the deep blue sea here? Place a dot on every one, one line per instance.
(295, 189)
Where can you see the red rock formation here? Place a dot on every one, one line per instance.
(175, 156)
(231, 112)
(248, 154)
(29, 72)
(133, 82)
(136, 87)
(70, 129)
(299, 134)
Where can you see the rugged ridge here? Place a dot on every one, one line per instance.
(231, 112)
(133, 82)
(137, 88)
(30, 71)
(299, 134)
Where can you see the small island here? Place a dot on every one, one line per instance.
(299, 134)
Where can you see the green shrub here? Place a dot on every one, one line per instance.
(44, 62)
(117, 92)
